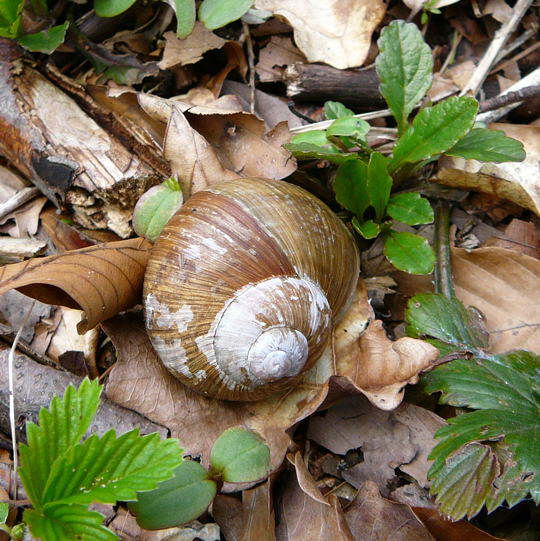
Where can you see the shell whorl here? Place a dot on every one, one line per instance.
(243, 286)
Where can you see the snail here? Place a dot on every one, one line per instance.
(244, 285)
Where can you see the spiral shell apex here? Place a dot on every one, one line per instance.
(244, 285)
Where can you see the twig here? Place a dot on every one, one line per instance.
(512, 97)
(251, 63)
(443, 267)
(296, 112)
(533, 79)
(13, 427)
(16, 200)
(519, 56)
(482, 70)
(456, 40)
(518, 42)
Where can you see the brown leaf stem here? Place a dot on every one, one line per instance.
(443, 267)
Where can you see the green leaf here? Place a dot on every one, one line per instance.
(309, 151)
(466, 481)
(181, 499)
(488, 146)
(10, 17)
(61, 426)
(410, 253)
(186, 13)
(111, 8)
(240, 455)
(348, 127)
(405, 68)
(410, 208)
(334, 109)
(4, 511)
(430, 314)
(111, 468)
(369, 229)
(350, 186)
(379, 183)
(61, 522)
(314, 137)
(155, 208)
(217, 13)
(434, 130)
(45, 41)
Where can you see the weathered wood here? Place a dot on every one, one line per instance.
(316, 82)
(64, 152)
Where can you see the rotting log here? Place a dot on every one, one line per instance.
(316, 82)
(64, 152)
(36, 384)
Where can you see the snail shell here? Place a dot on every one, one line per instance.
(243, 287)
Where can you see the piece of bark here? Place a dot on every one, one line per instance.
(315, 82)
(65, 153)
(14, 250)
(35, 386)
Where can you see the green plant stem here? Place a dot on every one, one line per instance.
(443, 268)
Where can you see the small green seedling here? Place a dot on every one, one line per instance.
(156, 207)
(238, 456)
(62, 475)
(366, 177)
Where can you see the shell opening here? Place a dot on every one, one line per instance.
(277, 353)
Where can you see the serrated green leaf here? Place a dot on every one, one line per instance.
(240, 455)
(434, 130)
(350, 187)
(217, 13)
(348, 127)
(465, 482)
(181, 499)
(404, 66)
(61, 426)
(155, 208)
(369, 229)
(111, 8)
(60, 522)
(309, 151)
(409, 252)
(4, 511)
(430, 314)
(186, 13)
(111, 468)
(488, 146)
(410, 208)
(334, 109)
(45, 41)
(379, 183)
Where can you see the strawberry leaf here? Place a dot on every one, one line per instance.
(409, 252)
(350, 186)
(335, 109)
(379, 183)
(410, 208)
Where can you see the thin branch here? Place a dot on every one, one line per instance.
(443, 267)
(511, 97)
(251, 63)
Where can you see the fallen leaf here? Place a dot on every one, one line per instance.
(441, 87)
(373, 518)
(191, 49)
(402, 438)
(306, 481)
(522, 237)
(301, 517)
(101, 280)
(518, 182)
(26, 219)
(505, 287)
(140, 382)
(275, 56)
(258, 523)
(461, 73)
(227, 512)
(499, 10)
(236, 59)
(372, 363)
(337, 32)
(192, 158)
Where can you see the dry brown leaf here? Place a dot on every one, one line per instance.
(519, 236)
(402, 438)
(274, 57)
(461, 73)
(441, 87)
(337, 32)
(517, 182)
(101, 280)
(227, 512)
(505, 287)
(372, 363)
(499, 10)
(140, 382)
(258, 523)
(302, 518)
(236, 59)
(373, 518)
(192, 158)
(189, 50)
(306, 481)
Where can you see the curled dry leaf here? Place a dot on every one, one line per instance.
(101, 280)
(518, 182)
(274, 57)
(372, 363)
(337, 32)
(305, 479)
(402, 438)
(140, 382)
(505, 287)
